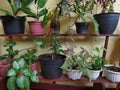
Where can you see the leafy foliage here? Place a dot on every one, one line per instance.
(20, 75)
(79, 61)
(16, 6)
(11, 53)
(98, 62)
(54, 45)
(30, 56)
(107, 5)
(40, 10)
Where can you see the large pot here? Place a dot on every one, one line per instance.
(13, 25)
(107, 22)
(51, 68)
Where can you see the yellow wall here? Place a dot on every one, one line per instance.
(86, 42)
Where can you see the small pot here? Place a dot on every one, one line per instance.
(74, 74)
(81, 27)
(34, 66)
(3, 69)
(36, 27)
(95, 74)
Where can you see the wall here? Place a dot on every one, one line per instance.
(87, 42)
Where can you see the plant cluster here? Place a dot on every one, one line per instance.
(16, 6)
(20, 75)
(11, 53)
(79, 61)
(40, 11)
(97, 61)
(54, 45)
(106, 5)
(30, 56)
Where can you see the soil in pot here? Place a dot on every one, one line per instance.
(113, 68)
(51, 68)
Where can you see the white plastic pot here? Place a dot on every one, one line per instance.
(95, 74)
(74, 74)
(112, 76)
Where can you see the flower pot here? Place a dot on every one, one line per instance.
(81, 27)
(107, 22)
(36, 27)
(51, 68)
(3, 69)
(13, 25)
(34, 66)
(113, 75)
(95, 74)
(74, 74)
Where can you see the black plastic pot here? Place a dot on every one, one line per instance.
(51, 68)
(107, 22)
(81, 27)
(13, 25)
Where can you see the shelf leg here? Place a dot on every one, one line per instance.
(98, 86)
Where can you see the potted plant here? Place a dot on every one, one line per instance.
(31, 59)
(112, 73)
(12, 23)
(97, 63)
(61, 9)
(6, 59)
(76, 64)
(83, 9)
(37, 27)
(107, 18)
(20, 75)
(50, 63)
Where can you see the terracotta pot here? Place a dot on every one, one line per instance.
(5, 61)
(36, 27)
(34, 66)
(3, 69)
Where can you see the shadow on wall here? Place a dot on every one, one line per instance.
(115, 53)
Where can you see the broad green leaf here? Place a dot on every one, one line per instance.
(27, 72)
(20, 82)
(21, 63)
(25, 3)
(34, 78)
(27, 82)
(43, 12)
(41, 3)
(11, 83)
(7, 13)
(11, 72)
(16, 65)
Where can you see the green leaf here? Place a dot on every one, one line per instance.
(11, 83)
(21, 63)
(34, 78)
(87, 72)
(27, 82)
(25, 3)
(20, 82)
(41, 3)
(27, 72)
(8, 44)
(16, 65)
(42, 12)
(11, 72)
